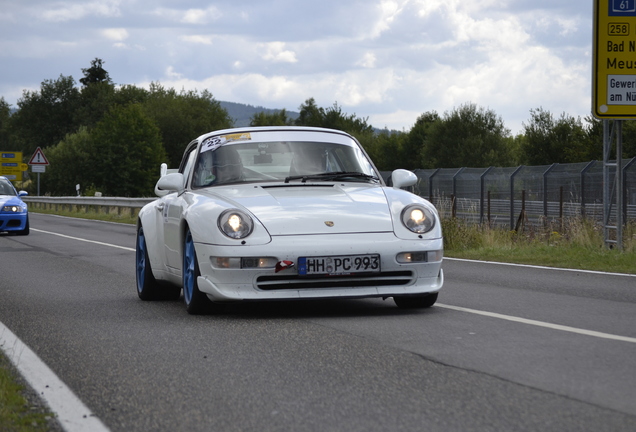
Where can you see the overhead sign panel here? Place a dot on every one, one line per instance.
(614, 68)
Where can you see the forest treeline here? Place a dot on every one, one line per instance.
(112, 138)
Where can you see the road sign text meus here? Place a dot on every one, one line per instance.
(614, 67)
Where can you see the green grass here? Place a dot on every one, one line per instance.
(578, 244)
(90, 214)
(16, 413)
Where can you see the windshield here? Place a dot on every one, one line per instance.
(286, 161)
(6, 188)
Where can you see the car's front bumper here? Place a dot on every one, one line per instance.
(228, 284)
(13, 221)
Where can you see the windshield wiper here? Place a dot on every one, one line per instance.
(331, 176)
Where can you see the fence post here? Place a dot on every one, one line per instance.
(489, 209)
(482, 180)
(454, 199)
(521, 222)
(512, 197)
(561, 207)
(430, 185)
(545, 189)
(583, 172)
(625, 198)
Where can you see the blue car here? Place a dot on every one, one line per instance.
(14, 215)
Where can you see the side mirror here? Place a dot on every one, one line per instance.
(22, 193)
(172, 182)
(403, 178)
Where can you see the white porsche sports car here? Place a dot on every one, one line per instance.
(279, 213)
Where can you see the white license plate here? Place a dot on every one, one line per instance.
(338, 265)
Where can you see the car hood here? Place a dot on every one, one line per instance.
(315, 208)
(6, 200)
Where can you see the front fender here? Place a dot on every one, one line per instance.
(150, 219)
(398, 199)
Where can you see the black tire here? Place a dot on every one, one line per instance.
(196, 302)
(147, 286)
(416, 301)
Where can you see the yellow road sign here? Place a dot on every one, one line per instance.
(11, 165)
(614, 64)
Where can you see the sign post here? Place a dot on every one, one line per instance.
(38, 164)
(614, 95)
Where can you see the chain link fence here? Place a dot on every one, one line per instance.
(529, 195)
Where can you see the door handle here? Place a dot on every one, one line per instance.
(160, 207)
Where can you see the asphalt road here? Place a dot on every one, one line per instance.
(507, 348)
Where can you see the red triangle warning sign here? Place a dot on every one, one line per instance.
(38, 158)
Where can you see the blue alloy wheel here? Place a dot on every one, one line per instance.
(145, 281)
(147, 286)
(196, 302)
(188, 268)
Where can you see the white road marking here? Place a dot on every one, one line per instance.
(541, 267)
(71, 413)
(540, 323)
(84, 240)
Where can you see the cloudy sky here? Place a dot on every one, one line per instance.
(385, 60)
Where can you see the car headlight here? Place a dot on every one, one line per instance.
(418, 219)
(235, 224)
(12, 209)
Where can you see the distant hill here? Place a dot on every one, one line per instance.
(242, 114)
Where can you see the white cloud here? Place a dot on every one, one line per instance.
(68, 11)
(190, 16)
(388, 10)
(276, 52)
(115, 34)
(368, 60)
(197, 39)
(171, 74)
(201, 16)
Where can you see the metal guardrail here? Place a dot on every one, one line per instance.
(109, 205)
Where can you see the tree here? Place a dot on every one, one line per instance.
(5, 115)
(278, 118)
(629, 139)
(467, 136)
(182, 117)
(549, 141)
(334, 118)
(95, 74)
(71, 162)
(126, 150)
(414, 142)
(387, 150)
(310, 114)
(595, 138)
(94, 102)
(45, 117)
